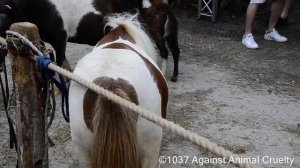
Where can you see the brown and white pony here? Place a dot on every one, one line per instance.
(105, 134)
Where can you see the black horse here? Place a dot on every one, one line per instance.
(81, 21)
(163, 28)
(43, 14)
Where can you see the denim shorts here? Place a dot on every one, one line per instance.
(258, 1)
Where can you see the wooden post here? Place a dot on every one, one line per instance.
(30, 111)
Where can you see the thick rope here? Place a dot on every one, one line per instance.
(193, 137)
(25, 41)
(2, 41)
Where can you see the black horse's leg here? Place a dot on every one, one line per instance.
(172, 42)
(5, 23)
(59, 42)
(171, 37)
(160, 43)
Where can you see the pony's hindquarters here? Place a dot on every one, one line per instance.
(113, 142)
(119, 135)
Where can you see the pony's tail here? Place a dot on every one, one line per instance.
(114, 129)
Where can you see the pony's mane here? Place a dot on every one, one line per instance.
(135, 29)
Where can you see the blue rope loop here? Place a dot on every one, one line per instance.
(65, 98)
(43, 62)
(62, 86)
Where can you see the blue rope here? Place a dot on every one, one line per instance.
(43, 62)
(65, 98)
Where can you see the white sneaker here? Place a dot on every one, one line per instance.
(249, 41)
(274, 35)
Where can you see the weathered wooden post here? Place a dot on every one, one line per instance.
(30, 96)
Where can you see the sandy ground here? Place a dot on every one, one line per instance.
(253, 112)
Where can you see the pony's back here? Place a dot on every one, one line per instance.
(135, 29)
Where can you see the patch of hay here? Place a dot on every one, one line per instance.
(238, 149)
(293, 129)
(61, 133)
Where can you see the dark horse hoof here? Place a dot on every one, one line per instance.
(174, 78)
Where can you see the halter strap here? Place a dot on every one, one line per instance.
(7, 7)
(133, 46)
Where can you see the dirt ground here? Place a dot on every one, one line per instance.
(245, 100)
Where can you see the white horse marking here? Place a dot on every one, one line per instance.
(72, 12)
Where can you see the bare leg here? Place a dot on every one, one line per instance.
(250, 16)
(286, 8)
(276, 9)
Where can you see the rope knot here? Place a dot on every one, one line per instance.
(43, 62)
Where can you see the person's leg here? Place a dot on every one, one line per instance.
(276, 8)
(271, 33)
(286, 8)
(248, 39)
(250, 16)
